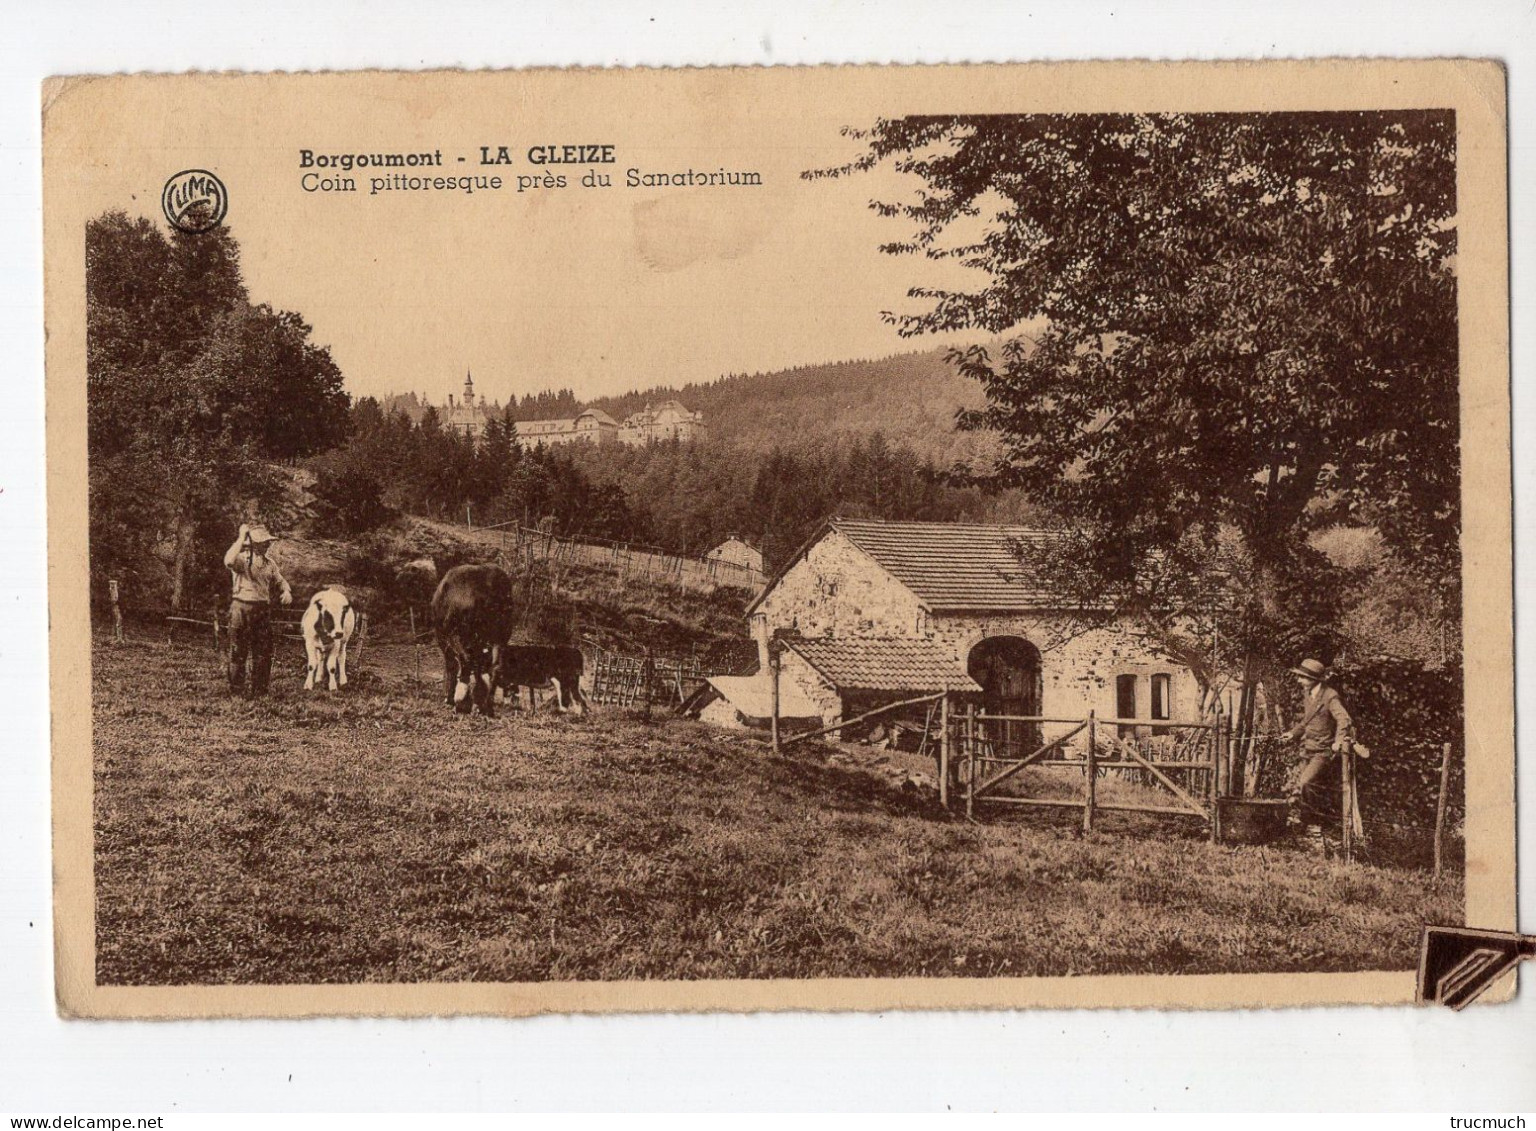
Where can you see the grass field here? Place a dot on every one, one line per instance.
(375, 836)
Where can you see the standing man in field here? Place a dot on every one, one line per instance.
(257, 582)
(1326, 731)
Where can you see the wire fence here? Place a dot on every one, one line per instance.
(630, 561)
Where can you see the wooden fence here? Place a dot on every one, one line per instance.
(1186, 766)
(1188, 763)
(628, 680)
(628, 561)
(980, 764)
(286, 625)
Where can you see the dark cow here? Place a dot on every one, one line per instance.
(472, 619)
(543, 665)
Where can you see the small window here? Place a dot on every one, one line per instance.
(1162, 699)
(1125, 702)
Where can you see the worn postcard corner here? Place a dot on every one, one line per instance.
(948, 537)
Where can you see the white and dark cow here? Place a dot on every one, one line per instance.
(472, 620)
(327, 626)
(541, 666)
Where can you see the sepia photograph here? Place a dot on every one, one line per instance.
(819, 538)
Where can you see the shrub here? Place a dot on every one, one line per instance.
(354, 498)
(1405, 714)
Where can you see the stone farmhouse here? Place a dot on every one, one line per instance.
(871, 612)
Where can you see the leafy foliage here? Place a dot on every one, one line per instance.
(355, 497)
(1406, 714)
(1249, 329)
(191, 390)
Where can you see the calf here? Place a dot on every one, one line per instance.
(327, 627)
(540, 666)
(472, 620)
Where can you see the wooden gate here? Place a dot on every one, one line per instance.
(1180, 762)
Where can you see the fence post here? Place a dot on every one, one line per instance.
(773, 667)
(1093, 773)
(1347, 805)
(970, 758)
(1445, 781)
(1217, 757)
(415, 645)
(1215, 782)
(215, 620)
(362, 639)
(117, 613)
(944, 750)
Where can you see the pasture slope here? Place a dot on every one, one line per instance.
(374, 836)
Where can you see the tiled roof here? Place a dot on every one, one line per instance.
(851, 664)
(952, 565)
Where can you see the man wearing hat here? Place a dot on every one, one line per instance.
(257, 581)
(1325, 730)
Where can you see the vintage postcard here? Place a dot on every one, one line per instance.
(780, 538)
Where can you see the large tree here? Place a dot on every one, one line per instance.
(191, 392)
(1241, 327)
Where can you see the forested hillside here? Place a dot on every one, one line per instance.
(681, 497)
(912, 398)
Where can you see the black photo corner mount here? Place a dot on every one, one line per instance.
(1456, 964)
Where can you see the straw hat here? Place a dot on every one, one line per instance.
(260, 536)
(1314, 670)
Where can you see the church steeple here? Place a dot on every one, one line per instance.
(469, 389)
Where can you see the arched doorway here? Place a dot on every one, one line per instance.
(1008, 669)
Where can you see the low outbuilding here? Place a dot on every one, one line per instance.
(737, 551)
(747, 701)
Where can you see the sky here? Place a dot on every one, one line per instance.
(601, 290)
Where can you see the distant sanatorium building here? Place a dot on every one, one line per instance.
(666, 421)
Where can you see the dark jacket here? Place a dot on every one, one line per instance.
(1324, 721)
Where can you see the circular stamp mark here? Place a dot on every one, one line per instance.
(194, 200)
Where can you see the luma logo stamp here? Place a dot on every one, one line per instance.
(194, 201)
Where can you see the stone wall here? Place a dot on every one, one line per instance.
(736, 552)
(838, 590)
(1079, 665)
(794, 670)
(722, 713)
